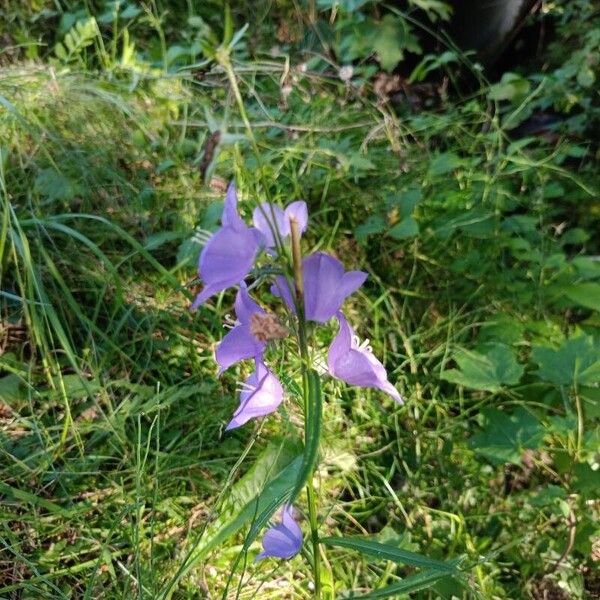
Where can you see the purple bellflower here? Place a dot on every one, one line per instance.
(355, 364)
(283, 540)
(262, 393)
(264, 215)
(241, 343)
(326, 286)
(229, 254)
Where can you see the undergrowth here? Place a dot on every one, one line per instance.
(118, 480)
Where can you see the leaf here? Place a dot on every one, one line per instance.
(510, 87)
(406, 200)
(388, 552)
(407, 228)
(373, 224)
(504, 437)
(11, 390)
(312, 434)
(585, 294)
(489, 371)
(392, 38)
(413, 583)
(576, 361)
(54, 185)
(434, 9)
(444, 163)
(263, 502)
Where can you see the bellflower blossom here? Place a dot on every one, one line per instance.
(226, 261)
(326, 286)
(229, 255)
(283, 540)
(355, 364)
(263, 215)
(241, 342)
(261, 394)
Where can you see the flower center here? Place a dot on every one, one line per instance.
(266, 327)
(364, 345)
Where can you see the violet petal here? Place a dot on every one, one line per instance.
(284, 540)
(355, 365)
(261, 396)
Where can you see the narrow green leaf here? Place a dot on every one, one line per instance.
(387, 552)
(314, 408)
(412, 583)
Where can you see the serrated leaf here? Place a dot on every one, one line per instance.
(576, 361)
(504, 437)
(393, 37)
(485, 371)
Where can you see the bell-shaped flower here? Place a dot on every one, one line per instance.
(283, 540)
(326, 286)
(229, 254)
(261, 394)
(241, 342)
(269, 217)
(355, 364)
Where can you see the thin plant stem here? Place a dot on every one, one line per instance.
(303, 344)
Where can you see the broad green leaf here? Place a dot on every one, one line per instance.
(406, 201)
(585, 294)
(374, 224)
(54, 185)
(504, 437)
(444, 163)
(388, 552)
(490, 371)
(576, 361)
(392, 38)
(407, 228)
(510, 87)
(11, 389)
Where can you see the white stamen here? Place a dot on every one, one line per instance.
(364, 345)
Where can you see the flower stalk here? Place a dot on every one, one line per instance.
(312, 405)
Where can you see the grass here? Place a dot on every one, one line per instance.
(117, 475)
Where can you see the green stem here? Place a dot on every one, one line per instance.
(312, 406)
(314, 536)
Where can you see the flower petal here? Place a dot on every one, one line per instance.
(281, 289)
(245, 306)
(299, 211)
(324, 293)
(263, 396)
(357, 366)
(231, 217)
(284, 540)
(268, 216)
(238, 344)
(225, 260)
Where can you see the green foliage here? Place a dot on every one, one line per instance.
(504, 437)
(575, 362)
(490, 369)
(81, 35)
(480, 242)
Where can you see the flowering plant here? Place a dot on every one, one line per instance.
(312, 289)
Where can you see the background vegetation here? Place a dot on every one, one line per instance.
(470, 197)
